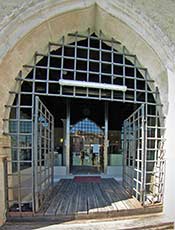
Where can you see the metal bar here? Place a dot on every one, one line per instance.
(48, 70)
(88, 62)
(83, 71)
(75, 64)
(35, 156)
(92, 37)
(67, 136)
(100, 60)
(62, 63)
(135, 81)
(52, 151)
(106, 139)
(124, 73)
(112, 67)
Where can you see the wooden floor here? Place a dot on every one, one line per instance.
(71, 198)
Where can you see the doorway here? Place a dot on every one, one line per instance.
(86, 151)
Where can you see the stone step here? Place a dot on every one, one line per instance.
(153, 221)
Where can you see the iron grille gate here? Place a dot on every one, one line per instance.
(43, 152)
(92, 59)
(143, 164)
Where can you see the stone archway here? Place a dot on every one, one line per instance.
(111, 19)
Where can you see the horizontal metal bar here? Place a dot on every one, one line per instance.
(85, 72)
(20, 161)
(21, 134)
(18, 202)
(93, 38)
(17, 106)
(21, 147)
(26, 120)
(153, 127)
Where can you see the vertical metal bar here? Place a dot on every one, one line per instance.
(135, 81)
(106, 138)
(124, 72)
(88, 62)
(112, 68)
(124, 153)
(143, 175)
(145, 137)
(52, 151)
(62, 64)
(134, 149)
(35, 156)
(33, 137)
(158, 152)
(129, 184)
(18, 149)
(48, 70)
(45, 162)
(140, 146)
(39, 149)
(67, 136)
(75, 63)
(100, 61)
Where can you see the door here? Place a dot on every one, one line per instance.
(143, 169)
(87, 141)
(42, 153)
(134, 153)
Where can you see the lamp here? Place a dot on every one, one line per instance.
(93, 85)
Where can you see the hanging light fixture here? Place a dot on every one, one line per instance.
(94, 85)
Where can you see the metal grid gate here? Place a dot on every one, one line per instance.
(30, 171)
(143, 168)
(43, 152)
(93, 59)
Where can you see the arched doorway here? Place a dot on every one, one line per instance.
(92, 68)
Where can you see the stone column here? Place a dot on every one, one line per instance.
(4, 155)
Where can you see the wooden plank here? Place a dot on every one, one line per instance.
(120, 197)
(70, 198)
(73, 199)
(106, 192)
(92, 203)
(83, 197)
(124, 196)
(135, 203)
(131, 202)
(51, 210)
(64, 199)
(102, 202)
(115, 194)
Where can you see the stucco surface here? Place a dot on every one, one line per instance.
(159, 11)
